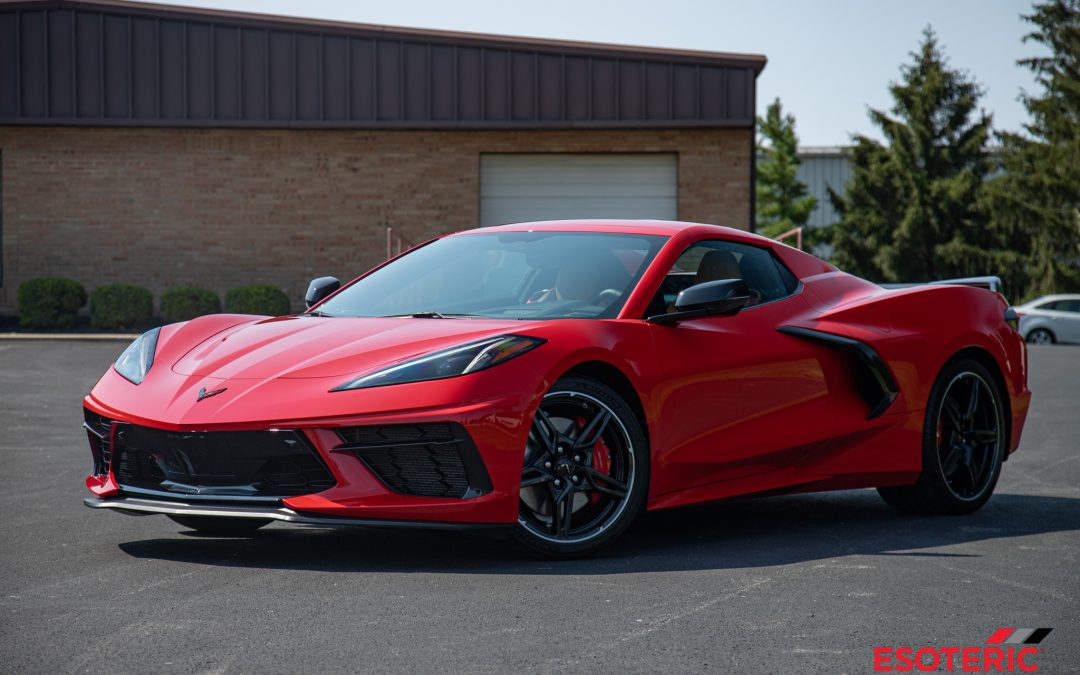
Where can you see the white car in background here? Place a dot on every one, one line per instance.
(1051, 318)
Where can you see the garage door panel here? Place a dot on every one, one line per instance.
(580, 210)
(515, 188)
(585, 186)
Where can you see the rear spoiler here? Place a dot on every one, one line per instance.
(989, 283)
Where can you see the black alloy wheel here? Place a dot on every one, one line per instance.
(969, 435)
(964, 443)
(585, 470)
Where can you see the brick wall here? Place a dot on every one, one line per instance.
(219, 208)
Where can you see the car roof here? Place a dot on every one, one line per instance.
(666, 228)
(1051, 298)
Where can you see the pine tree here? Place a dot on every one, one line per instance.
(1035, 205)
(912, 208)
(782, 199)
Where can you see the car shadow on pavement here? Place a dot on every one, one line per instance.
(729, 535)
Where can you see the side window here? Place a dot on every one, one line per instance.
(767, 279)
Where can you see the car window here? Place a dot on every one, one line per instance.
(767, 279)
(513, 275)
(1061, 306)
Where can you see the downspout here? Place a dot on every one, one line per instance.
(753, 155)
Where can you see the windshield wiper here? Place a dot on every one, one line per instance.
(428, 315)
(319, 312)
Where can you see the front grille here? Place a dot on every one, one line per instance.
(99, 433)
(424, 460)
(257, 464)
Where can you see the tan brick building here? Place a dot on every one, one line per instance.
(163, 147)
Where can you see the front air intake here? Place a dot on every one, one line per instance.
(99, 433)
(233, 465)
(422, 460)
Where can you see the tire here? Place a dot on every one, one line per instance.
(964, 443)
(1040, 336)
(221, 526)
(585, 471)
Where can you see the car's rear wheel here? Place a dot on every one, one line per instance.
(964, 444)
(221, 526)
(585, 473)
(1040, 336)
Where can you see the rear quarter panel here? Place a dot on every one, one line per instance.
(918, 330)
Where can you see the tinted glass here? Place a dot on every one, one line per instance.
(514, 275)
(1061, 305)
(705, 261)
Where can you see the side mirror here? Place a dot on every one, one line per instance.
(726, 296)
(723, 297)
(319, 289)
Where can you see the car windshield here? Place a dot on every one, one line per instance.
(505, 275)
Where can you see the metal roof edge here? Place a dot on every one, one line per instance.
(756, 62)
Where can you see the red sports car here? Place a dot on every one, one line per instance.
(559, 378)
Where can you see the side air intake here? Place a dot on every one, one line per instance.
(873, 380)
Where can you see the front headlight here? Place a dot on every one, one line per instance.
(136, 360)
(445, 363)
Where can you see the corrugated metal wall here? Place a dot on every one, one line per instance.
(81, 63)
(820, 170)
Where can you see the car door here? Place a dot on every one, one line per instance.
(740, 397)
(1057, 318)
(1068, 312)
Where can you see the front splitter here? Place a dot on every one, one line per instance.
(135, 506)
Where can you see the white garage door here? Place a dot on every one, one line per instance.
(517, 188)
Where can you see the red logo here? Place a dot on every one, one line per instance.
(1011, 653)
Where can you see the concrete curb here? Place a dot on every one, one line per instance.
(97, 337)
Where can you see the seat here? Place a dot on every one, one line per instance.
(584, 279)
(717, 265)
(763, 285)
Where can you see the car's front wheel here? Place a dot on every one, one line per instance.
(1040, 336)
(964, 443)
(585, 473)
(221, 526)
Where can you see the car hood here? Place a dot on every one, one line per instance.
(309, 346)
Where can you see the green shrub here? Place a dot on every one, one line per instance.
(257, 299)
(120, 306)
(184, 303)
(50, 302)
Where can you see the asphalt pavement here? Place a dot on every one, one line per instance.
(804, 583)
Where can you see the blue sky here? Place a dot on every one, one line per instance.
(828, 60)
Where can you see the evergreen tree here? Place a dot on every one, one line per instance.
(912, 208)
(1034, 205)
(782, 200)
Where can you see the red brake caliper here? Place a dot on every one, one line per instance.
(601, 459)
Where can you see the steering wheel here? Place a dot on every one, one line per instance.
(606, 297)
